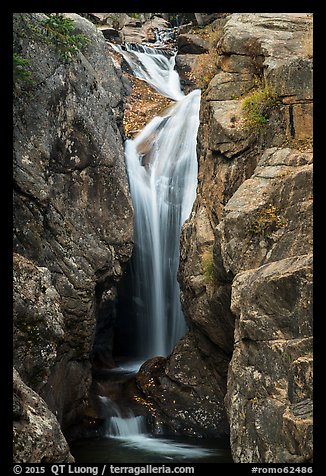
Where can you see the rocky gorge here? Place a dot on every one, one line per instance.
(244, 368)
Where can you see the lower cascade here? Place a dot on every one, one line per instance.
(131, 431)
(124, 427)
(162, 169)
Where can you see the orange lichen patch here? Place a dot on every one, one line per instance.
(145, 403)
(141, 106)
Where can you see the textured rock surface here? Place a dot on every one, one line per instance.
(191, 44)
(250, 237)
(270, 216)
(136, 31)
(38, 322)
(37, 433)
(73, 214)
(186, 388)
(269, 397)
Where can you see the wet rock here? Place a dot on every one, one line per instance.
(135, 31)
(111, 34)
(185, 400)
(185, 64)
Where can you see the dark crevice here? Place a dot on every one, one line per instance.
(291, 120)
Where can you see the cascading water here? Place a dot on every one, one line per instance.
(153, 66)
(125, 427)
(162, 170)
(131, 431)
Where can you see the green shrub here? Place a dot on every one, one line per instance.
(257, 106)
(208, 267)
(59, 33)
(21, 72)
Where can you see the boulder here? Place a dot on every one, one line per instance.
(37, 434)
(111, 34)
(189, 43)
(276, 35)
(187, 389)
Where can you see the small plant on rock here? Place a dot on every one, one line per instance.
(21, 72)
(208, 266)
(267, 221)
(257, 106)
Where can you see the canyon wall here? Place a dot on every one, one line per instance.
(244, 368)
(246, 251)
(73, 220)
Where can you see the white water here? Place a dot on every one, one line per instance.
(152, 66)
(132, 433)
(169, 448)
(126, 427)
(162, 169)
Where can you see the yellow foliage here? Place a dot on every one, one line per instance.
(267, 221)
(141, 106)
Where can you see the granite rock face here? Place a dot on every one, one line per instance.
(38, 322)
(245, 269)
(269, 398)
(73, 218)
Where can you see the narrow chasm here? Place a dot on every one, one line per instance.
(136, 394)
(163, 238)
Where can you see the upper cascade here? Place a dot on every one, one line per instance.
(153, 65)
(162, 169)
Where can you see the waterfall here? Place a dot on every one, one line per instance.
(162, 169)
(155, 66)
(118, 424)
(125, 427)
(131, 432)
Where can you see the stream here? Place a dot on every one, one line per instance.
(127, 439)
(162, 170)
